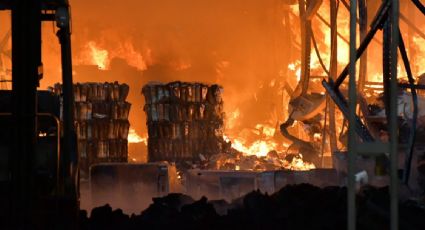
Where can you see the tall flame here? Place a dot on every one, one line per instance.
(98, 56)
(101, 56)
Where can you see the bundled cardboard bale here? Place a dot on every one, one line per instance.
(101, 122)
(184, 120)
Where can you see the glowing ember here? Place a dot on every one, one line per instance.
(259, 148)
(261, 154)
(298, 164)
(133, 137)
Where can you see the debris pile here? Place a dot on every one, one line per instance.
(293, 207)
(234, 160)
(101, 122)
(184, 120)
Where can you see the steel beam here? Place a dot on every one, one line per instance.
(394, 18)
(352, 98)
(26, 59)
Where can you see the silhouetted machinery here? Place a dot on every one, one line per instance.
(38, 157)
(305, 105)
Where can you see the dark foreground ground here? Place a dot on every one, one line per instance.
(293, 207)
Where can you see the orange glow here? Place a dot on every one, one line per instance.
(127, 52)
(419, 64)
(133, 137)
(259, 148)
(257, 68)
(296, 69)
(298, 164)
(94, 54)
(97, 56)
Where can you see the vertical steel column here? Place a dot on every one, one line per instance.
(26, 58)
(394, 15)
(69, 156)
(333, 70)
(352, 153)
(363, 32)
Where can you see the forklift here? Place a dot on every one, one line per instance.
(39, 179)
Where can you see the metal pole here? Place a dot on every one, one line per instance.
(363, 31)
(69, 151)
(26, 59)
(351, 193)
(69, 156)
(393, 115)
(333, 73)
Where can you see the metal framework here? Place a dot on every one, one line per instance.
(391, 25)
(387, 19)
(362, 140)
(27, 17)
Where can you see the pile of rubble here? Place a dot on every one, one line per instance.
(101, 122)
(293, 207)
(184, 120)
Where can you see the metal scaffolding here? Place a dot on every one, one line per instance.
(361, 140)
(372, 148)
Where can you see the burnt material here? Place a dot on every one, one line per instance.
(101, 122)
(184, 120)
(293, 207)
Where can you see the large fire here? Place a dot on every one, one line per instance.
(184, 55)
(95, 54)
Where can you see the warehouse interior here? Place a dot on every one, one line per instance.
(243, 114)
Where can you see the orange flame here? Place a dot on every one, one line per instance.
(419, 46)
(298, 164)
(94, 54)
(98, 56)
(133, 137)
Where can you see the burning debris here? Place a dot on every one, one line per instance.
(185, 123)
(101, 113)
(234, 160)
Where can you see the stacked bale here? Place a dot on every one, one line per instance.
(184, 120)
(101, 122)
